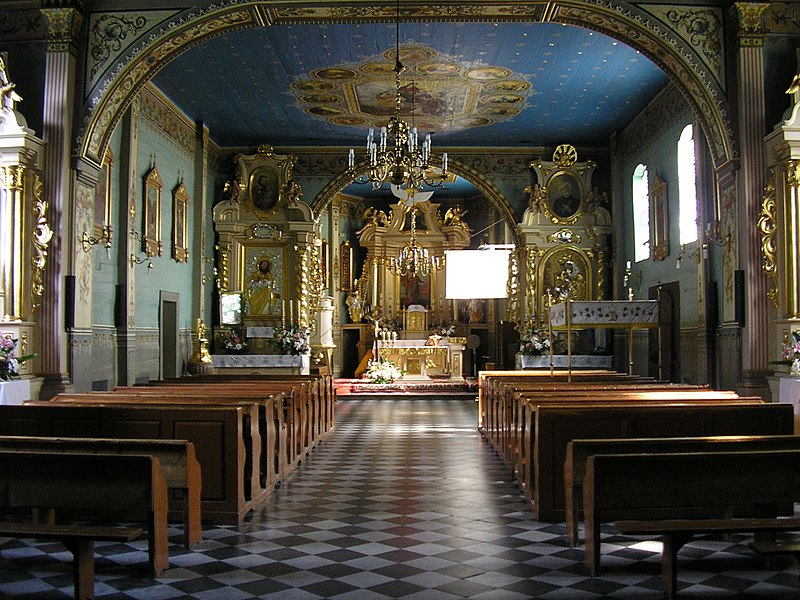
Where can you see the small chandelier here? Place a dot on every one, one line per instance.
(413, 259)
(397, 157)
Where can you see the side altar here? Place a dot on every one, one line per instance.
(420, 360)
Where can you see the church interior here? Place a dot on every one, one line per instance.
(398, 220)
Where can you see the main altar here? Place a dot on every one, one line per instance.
(421, 359)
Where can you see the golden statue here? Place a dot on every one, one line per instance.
(262, 290)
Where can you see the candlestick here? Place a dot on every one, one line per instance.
(283, 313)
(291, 313)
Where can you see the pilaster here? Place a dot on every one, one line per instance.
(63, 25)
(751, 124)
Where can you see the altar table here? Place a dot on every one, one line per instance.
(278, 364)
(424, 362)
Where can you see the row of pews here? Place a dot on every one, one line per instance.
(193, 449)
(655, 458)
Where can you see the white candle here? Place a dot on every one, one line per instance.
(291, 313)
(283, 313)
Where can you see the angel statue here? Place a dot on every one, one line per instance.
(454, 215)
(8, 97)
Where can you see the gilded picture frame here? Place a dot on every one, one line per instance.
(180, 233)
(325, 263)
(264, 282)
(346, 272)
(564, 202)
(102, 196)
(263, 180)
(151, 214)
(659, 208)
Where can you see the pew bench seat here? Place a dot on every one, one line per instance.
(675, 533)
(79, 540)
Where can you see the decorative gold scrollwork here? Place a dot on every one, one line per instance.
(41, 238)
(565, 156)
(512, 287)
(767, 227)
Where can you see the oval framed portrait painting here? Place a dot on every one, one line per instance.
(564, 196)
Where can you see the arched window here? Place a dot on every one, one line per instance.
(641, 213)
(687, 189)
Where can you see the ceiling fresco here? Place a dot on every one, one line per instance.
(471, 84)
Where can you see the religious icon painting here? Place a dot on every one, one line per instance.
(151, 238)
(102, 197)
(180, 208)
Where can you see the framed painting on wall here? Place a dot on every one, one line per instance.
(564, 198)
(660, 211)
(263, 283)
(102, 197)
(346, 273)
(151, 240)
(180, 208)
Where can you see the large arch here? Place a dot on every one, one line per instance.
(111, 97)
(486, 187)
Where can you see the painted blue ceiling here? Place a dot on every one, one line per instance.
(585, 85)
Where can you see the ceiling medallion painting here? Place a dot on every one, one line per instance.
(439, 93)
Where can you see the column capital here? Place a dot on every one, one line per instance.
(752, 23)
(63, 26)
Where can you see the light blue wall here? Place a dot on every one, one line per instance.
(172, 163)
(106, 271)
(660, 156)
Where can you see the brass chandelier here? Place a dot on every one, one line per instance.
(397, 157)
(414, 260)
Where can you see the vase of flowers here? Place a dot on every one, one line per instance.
(382, 371)
(9, 364)
(533, 340)
(791, 355)
(293, 341)
(234, 342)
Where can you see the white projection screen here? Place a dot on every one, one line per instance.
(476, 274)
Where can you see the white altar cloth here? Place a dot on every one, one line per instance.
(606, 313)
(15, 391)
(299, 363)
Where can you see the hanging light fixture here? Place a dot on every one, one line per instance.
(397, 157)
(414, 259)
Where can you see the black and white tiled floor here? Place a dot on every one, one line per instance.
(404, 501)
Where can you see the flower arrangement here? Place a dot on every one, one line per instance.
(233, 342)
(292, 341)
(444, 330)
(533, 340)
(791, 348)
(9, 364)
(382, 371)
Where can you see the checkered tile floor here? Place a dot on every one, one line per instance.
(405, 501)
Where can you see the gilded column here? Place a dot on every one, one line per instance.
(63, 25)
(750, 80)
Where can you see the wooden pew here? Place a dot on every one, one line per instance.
(303, 409)
(254, 448)
(88, 485)
(321, 384)
(267, 418)
(679, 494)
(558, 424)
(288, 432)
(79, 540)
(515, 400)
(217, 433)
(579, 451)
(488, 380)
(523, 468)
(177, 457)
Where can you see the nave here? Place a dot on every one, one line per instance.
(405, 500)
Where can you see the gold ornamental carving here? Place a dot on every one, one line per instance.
(791, 227)
(42, 234)
(752, 23)
(565, 156)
